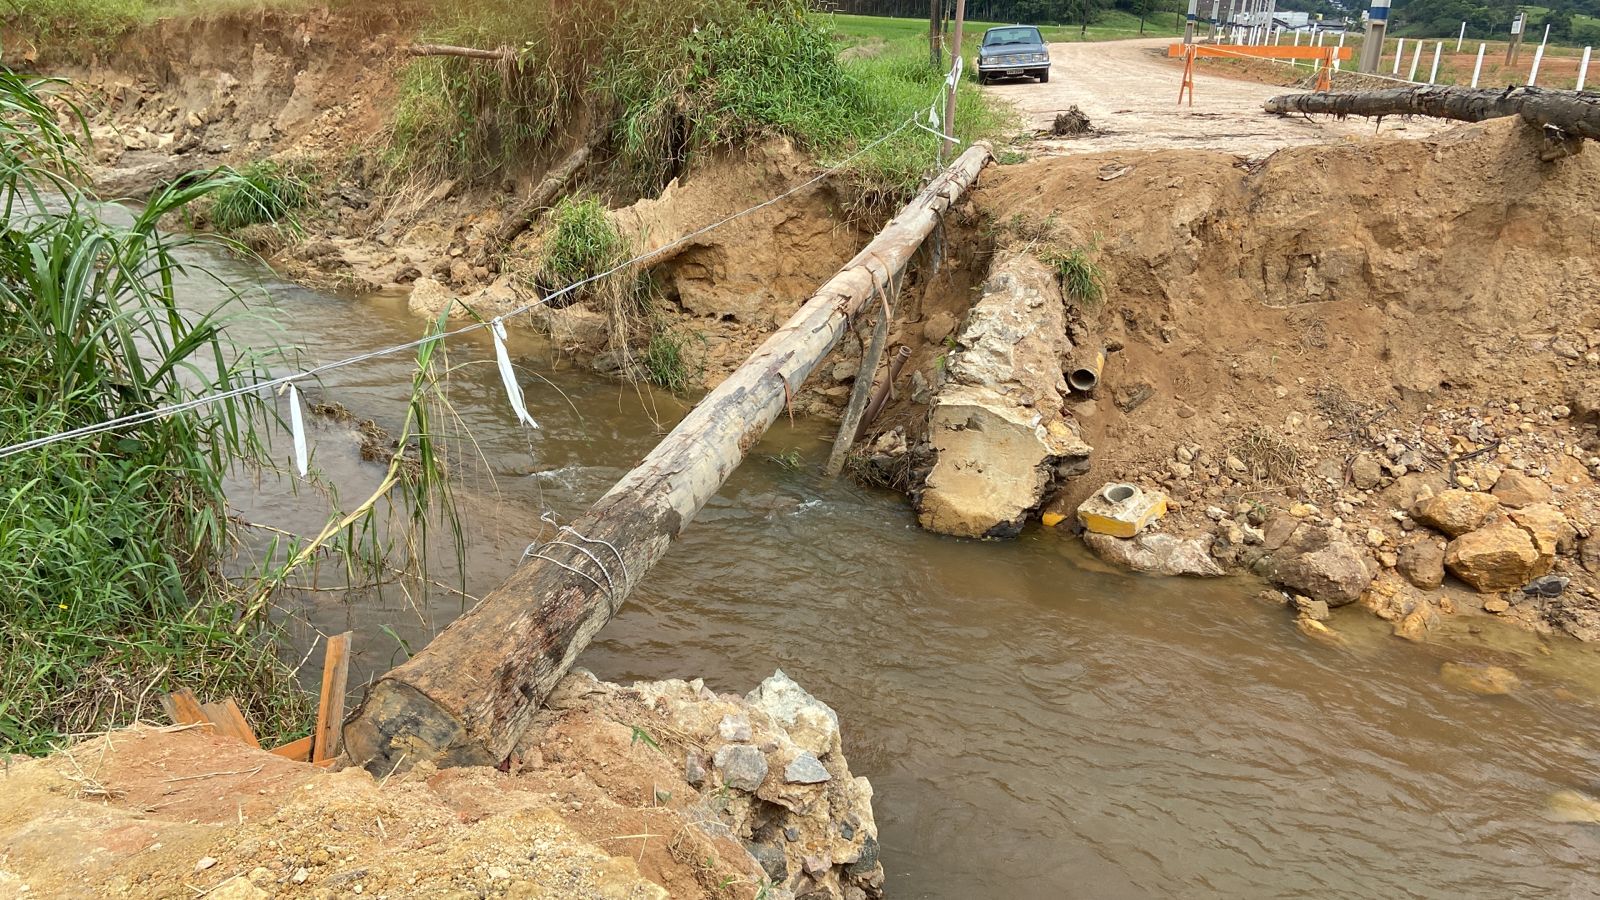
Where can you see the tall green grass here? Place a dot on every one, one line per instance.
(113, 545)
(108, 544)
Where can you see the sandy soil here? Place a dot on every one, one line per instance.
(613, 794)
(1129, 91)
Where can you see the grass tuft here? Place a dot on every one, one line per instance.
(668, 362)
(264, 193)
(581, 244)
(1081, 278)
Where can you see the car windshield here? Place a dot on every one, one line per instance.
(1019, 35)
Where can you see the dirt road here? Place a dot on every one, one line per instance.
(1130, 92)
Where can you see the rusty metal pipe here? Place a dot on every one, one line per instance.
(1085, 376)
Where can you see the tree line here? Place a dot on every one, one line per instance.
(1569, 20)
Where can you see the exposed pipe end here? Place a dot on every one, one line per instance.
(1083, 380)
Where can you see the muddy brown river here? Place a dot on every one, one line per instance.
(1034, 724)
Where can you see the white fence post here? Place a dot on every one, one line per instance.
(1533, 74)
(1433, 76)
(1461, 37)
(1583, 69)
(1399, 52)
(1477, 67)
(1416, 58)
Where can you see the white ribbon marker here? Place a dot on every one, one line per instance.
(297, 427)
(513, 390)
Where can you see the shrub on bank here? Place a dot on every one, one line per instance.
(264, 193)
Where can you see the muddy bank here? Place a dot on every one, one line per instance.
(1316, 360)
(661, 789)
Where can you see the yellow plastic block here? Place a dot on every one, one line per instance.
(1052, 519)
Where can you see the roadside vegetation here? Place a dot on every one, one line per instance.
(1109, 24)
(110, 544)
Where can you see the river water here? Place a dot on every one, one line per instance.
(1034, 723)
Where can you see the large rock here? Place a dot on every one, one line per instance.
(996, 424)
(136, 182)
(1421, 561)
(1496, 557)
(1319, 563)
(1550, 530)
(1455, 512)
(743, 767)
(429, 298)
(1573, 807)
(1157, 554)
(1517, 490)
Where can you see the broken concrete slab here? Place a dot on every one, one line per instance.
(996, 424)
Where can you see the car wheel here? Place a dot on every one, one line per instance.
(1044, 76)
(982, 78)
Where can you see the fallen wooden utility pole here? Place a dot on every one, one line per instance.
(467, 696)
(1573, 112)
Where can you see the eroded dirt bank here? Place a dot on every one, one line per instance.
(657, 790)
(1301, 352)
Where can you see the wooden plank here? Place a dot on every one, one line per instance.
(299, 751)
(467, 696)
(229, 720)
(1231, 51)
(183, 708)
(326, 741)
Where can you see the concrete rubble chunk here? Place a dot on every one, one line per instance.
(995, 424)
(1157, 554)
(805, 769)
(1121, 510)
(811, 724)
(1319, 563)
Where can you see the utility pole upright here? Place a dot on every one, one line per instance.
(1189, 25)
(1515, 47)
(946, 147)
(1372, 45)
